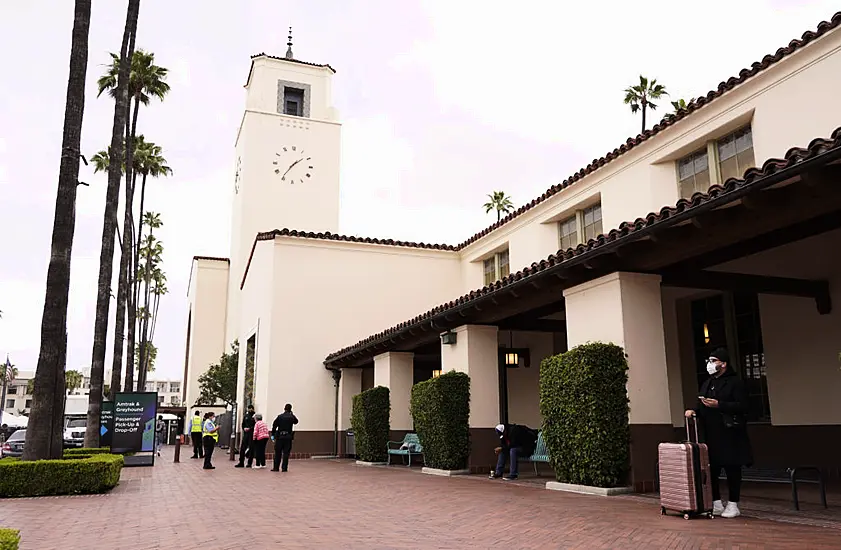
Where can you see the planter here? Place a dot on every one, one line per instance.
(588, 490)
(363, 463)
(447, 473)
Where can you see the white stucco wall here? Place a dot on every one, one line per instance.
(207, 296)
(326, 295)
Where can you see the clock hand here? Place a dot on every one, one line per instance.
(291, 167)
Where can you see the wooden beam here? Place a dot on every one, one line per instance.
(533, 325)
(830, 173)
(762, 284)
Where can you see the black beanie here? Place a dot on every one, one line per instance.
(722, 355)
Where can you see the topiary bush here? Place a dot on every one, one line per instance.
(9, 539)
(584, 403)
(70, 476)
(69, 453)
(441, 412)
(370, 422)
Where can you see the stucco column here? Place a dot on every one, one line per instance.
(349, 385)
(395, 370)
(476, 352)
(626, 309)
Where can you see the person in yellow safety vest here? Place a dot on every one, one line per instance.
(211, 435)
(196, 435)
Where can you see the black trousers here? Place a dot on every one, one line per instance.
(259, 453)
(734, 481)
(282, 448)
(209, 445)
(244, 447)
(198, 452)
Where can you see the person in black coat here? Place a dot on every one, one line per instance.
(282, 436)
(722, 410)
(514, 441)
(247, 437)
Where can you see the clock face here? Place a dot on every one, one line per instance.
(293, 165)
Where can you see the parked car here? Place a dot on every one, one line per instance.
(14, 445)
(74, 432)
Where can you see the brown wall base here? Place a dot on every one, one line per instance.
(790, 446)
(308, 444)
(645, 438)
(483, 441)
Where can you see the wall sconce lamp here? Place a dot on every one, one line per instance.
(448, 338)
(436, 373)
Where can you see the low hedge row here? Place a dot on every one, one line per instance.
(71, 476)
(86, 451)
(371, 425)
(441, 413)
(584, 403)
(9, 539)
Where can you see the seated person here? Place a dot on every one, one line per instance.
(515, 441)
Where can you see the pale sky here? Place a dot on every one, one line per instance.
(442, 102)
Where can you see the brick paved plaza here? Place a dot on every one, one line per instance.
(336, 504)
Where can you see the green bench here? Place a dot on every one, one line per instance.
(410, 446)
(539, 455)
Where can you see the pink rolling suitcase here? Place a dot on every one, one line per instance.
(685, 482)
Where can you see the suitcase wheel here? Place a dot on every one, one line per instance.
(662, 510)
(685, 516)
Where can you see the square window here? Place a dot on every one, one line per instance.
(568, 232)
(293, 101)
(735, 154)
(490, 270)
(592, 222)
(694, 174)
(504, 270)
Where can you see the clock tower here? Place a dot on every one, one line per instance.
(286, 172)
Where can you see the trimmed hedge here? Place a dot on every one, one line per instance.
(370, 422)
(9, 539)
(71, 476)
(441, 412)
(68, 453)
(584, 403)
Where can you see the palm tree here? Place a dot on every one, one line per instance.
(109, 226)
(149, 162)
(679, 105)
(146, 80)
(153, 221)
(639, 97)
(73, 380)
(45, 440)
(9, 372)
(500, 202)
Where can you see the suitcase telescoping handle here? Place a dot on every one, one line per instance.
(695, 422)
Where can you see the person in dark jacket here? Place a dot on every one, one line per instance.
(247, 437)
(722, 410)
(282, 437)
(514, 441)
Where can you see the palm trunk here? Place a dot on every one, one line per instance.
(46, 401)
(643, 117)
(106, 257)
(144, 338)
(157, 300)
(132, 312)
(125, 255)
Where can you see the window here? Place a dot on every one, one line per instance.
(176, 400)
(592, 222)
(10, 403)
(586, 223)
(735, 154)
(694, 174)
(568, 232)
(293, 101)
(160, 400)
(496, 267)
(150, 386)
(28, 404)
(727, 157)
(175, 387)
(162, 387)
(12, 390)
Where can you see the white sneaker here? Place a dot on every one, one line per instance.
(718, 508)
(731, 511)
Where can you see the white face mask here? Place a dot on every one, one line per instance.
(712, 368)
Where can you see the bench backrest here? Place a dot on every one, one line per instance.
(413, 439)
(540, 448)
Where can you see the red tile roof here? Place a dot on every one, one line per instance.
(298, 61)
(212, 259)
(627, 231)
(669, 120)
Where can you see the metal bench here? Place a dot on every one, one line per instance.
(540, 454)
(788, 475)
(410, 446)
